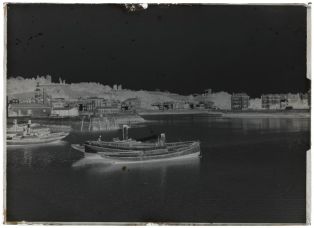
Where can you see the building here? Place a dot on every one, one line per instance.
(41, 97)
(255, 104)
(38, 110)
(111, 103)
(158, 105)
(38, 96)
(274, 101)
(171, 105)
(58, 103)
(193, 104)
(285, 101)
(207, 92)
(181, 105)
(100, 111)
(89, 104)
(168, 105)
(239, 101)
(98, 106)
(14, 101)
(208, 104)
(293, 98)
(35, 103)
(304, 97)
(65, 112)
(130, 104)
(298, 101)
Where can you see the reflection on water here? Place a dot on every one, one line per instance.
(271, 124)
(27, 158)
(251, 170)
(99, 166)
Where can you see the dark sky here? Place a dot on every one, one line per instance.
(179, 48)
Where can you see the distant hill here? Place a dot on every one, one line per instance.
(19, 87)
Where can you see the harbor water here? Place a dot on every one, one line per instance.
(252, 170)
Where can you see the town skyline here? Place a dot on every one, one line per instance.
(92, 96)
(60, 80)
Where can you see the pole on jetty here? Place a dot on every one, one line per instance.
(90, 123)
(82, 124)
(125, 132)
(122, 132)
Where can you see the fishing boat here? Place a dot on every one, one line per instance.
(130, 150)
(25, 135)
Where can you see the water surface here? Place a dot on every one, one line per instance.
(251, 170)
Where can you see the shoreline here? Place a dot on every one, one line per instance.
(296, 113)
(266, 115)
(234, 114)
(180, 112)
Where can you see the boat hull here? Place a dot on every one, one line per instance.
(130, 156)
(95, 146)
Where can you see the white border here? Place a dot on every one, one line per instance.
(3, 66)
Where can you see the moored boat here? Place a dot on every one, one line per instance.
(29, 136)
(128, 150)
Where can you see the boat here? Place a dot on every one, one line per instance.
(130, 150)
(29, 136)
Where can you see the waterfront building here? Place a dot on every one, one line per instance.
(207, 92)
(38, 96)
(58, 103)
(193, 104)
(171, 105)
(168, 105)
(89, 104)
(35, 103)
(37, 110)
(41, 97)
(97, 106)
(14, 101)
(304, 96)
(157, 105)
(298, 101)
(208, 104)
(131, 104)
(274, 101)
(255, 104)
(65, 112)
(180, 105)
(285, 101)
(293, 98)
(239, 101)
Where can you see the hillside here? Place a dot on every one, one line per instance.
(19, 87)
